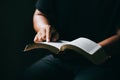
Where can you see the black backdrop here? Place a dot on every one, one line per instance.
(16, 32)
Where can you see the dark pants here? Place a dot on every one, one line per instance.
(69, 67)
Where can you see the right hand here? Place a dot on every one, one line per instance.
(46, 33)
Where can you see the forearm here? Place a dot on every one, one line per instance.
(111, 45)
(39, 20)
(111, 40)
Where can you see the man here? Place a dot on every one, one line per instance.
(68, 20)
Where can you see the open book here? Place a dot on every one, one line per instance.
(85, 47)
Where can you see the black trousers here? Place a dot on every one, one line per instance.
(70, 67)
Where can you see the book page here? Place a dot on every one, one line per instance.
(55, 44)
(85, 44)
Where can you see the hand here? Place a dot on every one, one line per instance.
(46, 33)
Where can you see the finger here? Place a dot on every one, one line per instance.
(35, 39)
(48, 33)
(43, 35)
(39, 38)
(55, 37)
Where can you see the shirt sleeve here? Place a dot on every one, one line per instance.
(45, 6)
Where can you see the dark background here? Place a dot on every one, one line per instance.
(16, 32)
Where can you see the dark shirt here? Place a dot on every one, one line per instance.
(94, 19)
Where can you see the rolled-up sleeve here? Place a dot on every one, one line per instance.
(45, 6)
